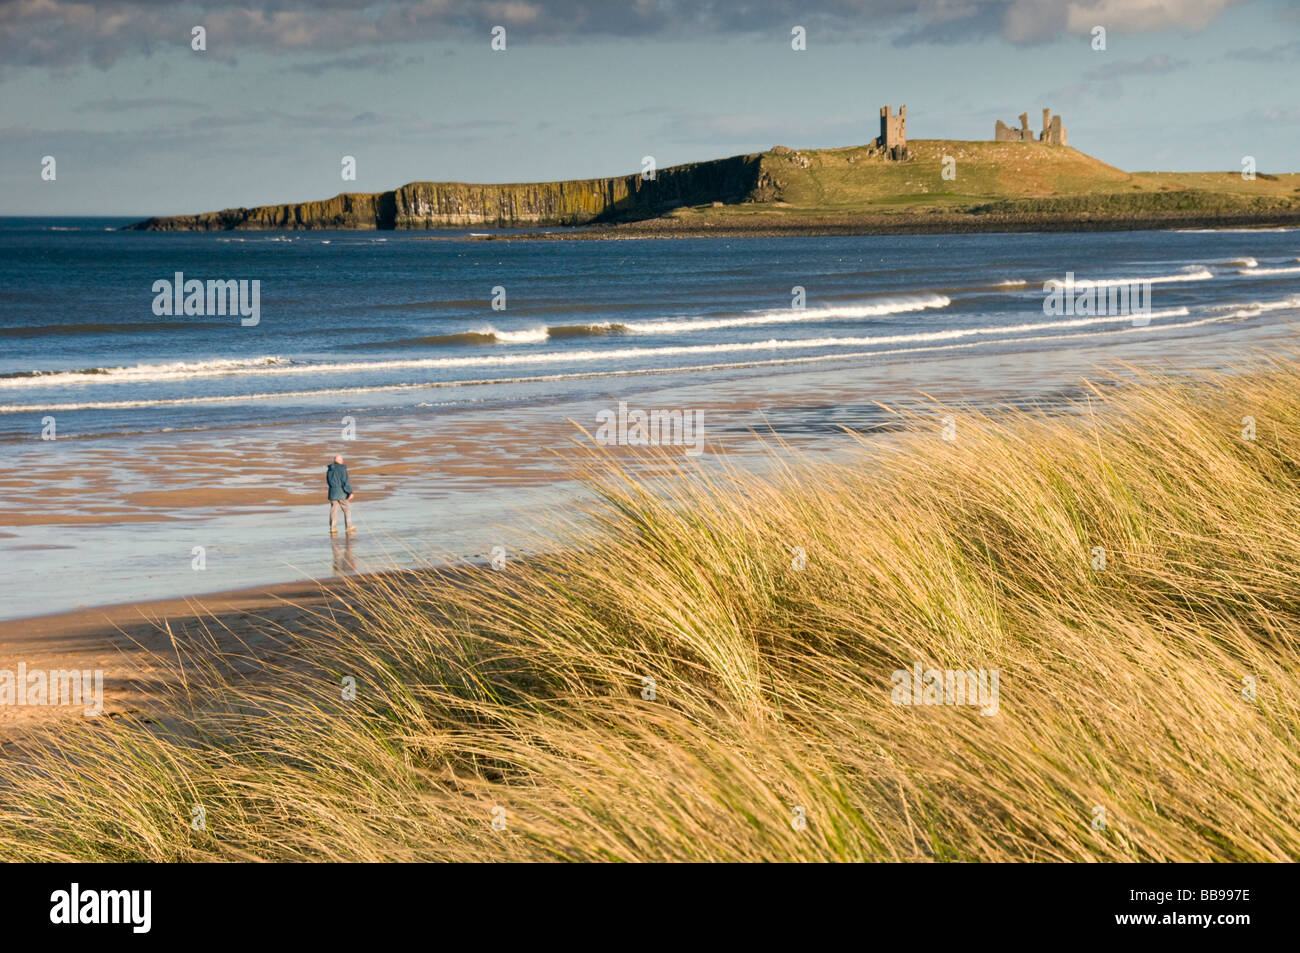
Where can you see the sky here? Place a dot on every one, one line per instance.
(140, 123)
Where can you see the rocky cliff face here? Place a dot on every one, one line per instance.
(452, 204)
(349, 210)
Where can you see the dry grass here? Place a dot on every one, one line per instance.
(522, 689)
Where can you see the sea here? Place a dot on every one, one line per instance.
(139, 420)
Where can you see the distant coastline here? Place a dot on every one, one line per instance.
(942, 186)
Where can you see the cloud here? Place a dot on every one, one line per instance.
(1272, 54)
(1154, 64)
(1103, 82)
(144, 102)
(70, 32)
(1141, 16)
(1276, 114)
(761, 131)
(376, 60)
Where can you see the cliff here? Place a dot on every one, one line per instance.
(458, 204)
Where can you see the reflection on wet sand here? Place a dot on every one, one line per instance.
(345, 560)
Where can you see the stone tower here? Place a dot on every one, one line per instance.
(893, 132)
(1053, 129)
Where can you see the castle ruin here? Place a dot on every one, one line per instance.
(893, 133)
(1053, 130)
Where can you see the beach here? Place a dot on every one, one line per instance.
(177, 491)
(182, 437)
(269, 493)
(818, 496)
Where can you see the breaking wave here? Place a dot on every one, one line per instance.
(875, 309)
(177, 370)
(489, 335)
(1255, 272)
(1192, 273)
(279, 367)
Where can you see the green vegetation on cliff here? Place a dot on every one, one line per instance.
(944, 184)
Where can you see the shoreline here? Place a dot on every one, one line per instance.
(443, 496)
(143, 647)
(135, 643)
(920, 225)
(927, 223)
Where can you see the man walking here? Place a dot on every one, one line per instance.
(340, 495)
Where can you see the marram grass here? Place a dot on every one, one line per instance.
(671, 687)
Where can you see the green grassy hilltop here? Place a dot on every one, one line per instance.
(990, 185)
(998, 180)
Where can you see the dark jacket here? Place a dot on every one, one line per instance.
(336, 478)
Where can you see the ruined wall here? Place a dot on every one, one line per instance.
(1004, 133)
(1053, 130)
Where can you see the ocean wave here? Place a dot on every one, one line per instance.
(1191, 273)
(1240, 310)
(177, 370)
(489, 335)
(875, 309)
(1007, 284)
(480, 336)
(527, 336)
(1257, 272)
(604, 373)
(272, 238)
(280, 368)
(603, 329)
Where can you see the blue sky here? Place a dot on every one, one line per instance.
(141, 124)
